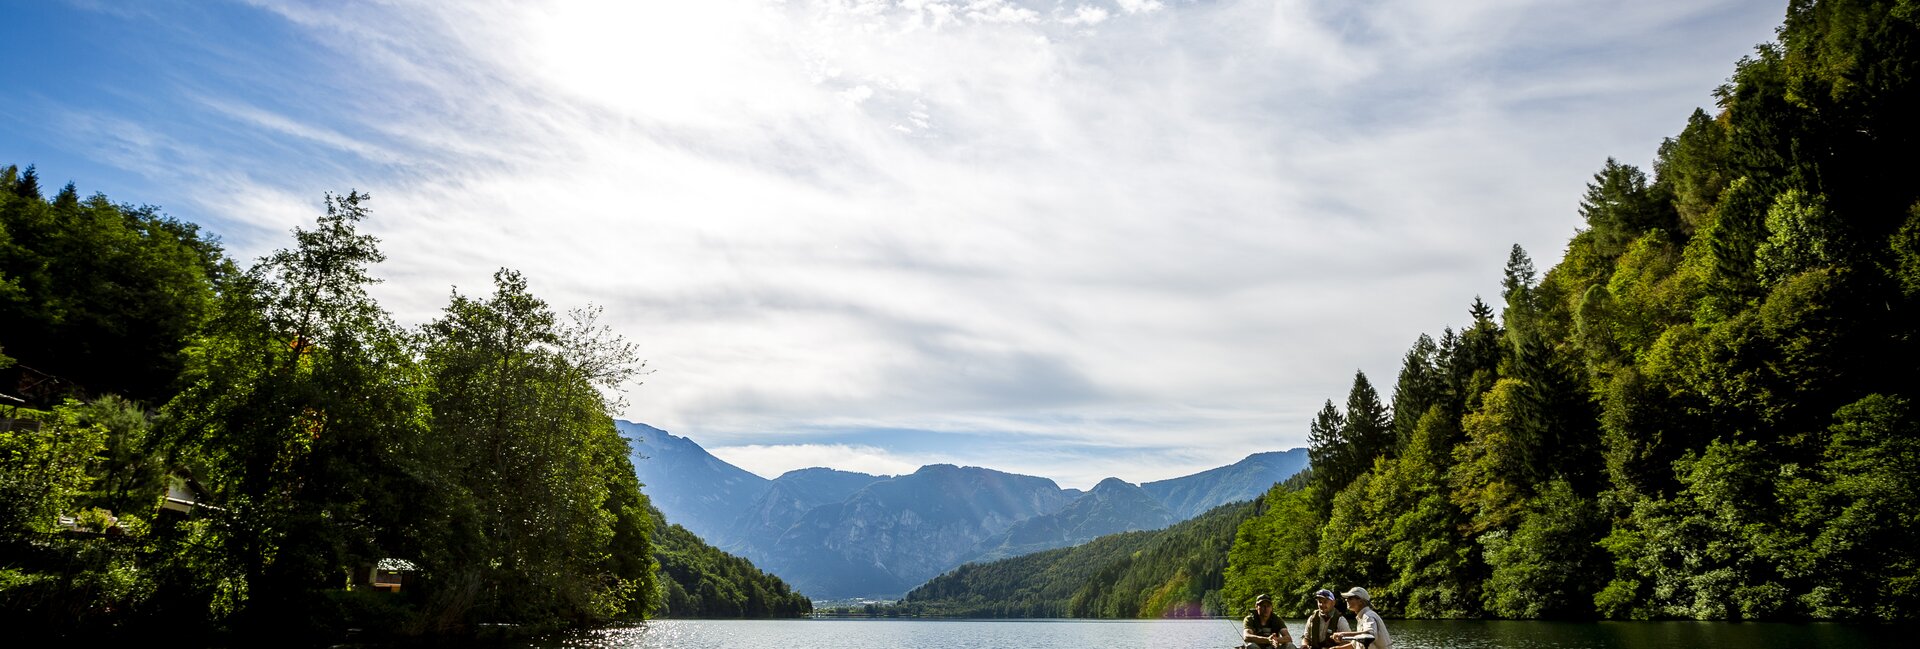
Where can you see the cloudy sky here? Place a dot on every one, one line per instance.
(1136, 238)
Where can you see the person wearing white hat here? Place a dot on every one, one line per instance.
(1369, 632)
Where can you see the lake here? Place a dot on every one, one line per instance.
(1144, 634)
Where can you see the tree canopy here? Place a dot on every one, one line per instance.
(1703, 411)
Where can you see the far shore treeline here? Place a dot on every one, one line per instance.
(1706, 410)
(216, 452)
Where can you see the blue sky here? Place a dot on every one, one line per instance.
(1133, 238)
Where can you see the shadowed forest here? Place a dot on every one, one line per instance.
(210, 450)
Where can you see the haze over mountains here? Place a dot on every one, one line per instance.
(835, 534)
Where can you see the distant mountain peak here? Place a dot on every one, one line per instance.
(821, 470)
(832, 532)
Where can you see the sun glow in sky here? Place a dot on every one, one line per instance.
(1070, 239)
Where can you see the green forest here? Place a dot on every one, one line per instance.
(220, 451)
(1706, 410)
(699, 580)
(1174, 572)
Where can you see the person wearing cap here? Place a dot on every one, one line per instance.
(1369, 632)
(1264, 630)
(1323, 622)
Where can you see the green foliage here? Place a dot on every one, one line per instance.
(1906, 255)
(99, 295)
(699, 580)
(1429, 561)
(43, 469)
(300, 411)
(539, 459)
(317, 439)
(1275, 550)
(1695, 165)
(1860, 504)
(1802, 236)
(1710, 390)
(1620, 205)
(1352, 542)
(1369, 425)
(1489, 464)
(1545, 567)
(1176, 572)
(1421, 386)
(1335, 461)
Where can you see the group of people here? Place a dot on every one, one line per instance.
(1326, 627)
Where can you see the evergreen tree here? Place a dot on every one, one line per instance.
(1620, 205)
(1369, 425)
(1421, 385)
(1328, 450)
(1695, 165)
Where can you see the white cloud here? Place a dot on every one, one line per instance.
(771, 460)
(1086, 15)
(1191, 224)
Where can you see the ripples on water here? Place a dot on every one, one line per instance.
(1145, 634)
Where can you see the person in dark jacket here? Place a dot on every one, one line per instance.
(1264, 629)
(1323, 622)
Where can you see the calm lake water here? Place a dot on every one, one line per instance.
(1144, 634)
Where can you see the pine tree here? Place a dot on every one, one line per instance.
(1328, 451)
(1369, 428)
(28, 184)
(1421, 385)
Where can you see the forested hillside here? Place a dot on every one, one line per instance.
(699, 580)
(1705, 410)
(1174, 572)
(224, 453)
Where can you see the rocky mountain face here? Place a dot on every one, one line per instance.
(834, 534)
(1112, 507)
(894, 534)
(698, 491)
(786, 499)
(1193, 495)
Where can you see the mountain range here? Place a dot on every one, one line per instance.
(836, 534)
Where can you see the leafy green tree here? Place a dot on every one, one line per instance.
(552, 490)
(1490, 463)
(301, 411)
(129, 474)
(1738, 227)
(1421, 385)
(1276, 550)
(1695, 165)
(43, 472)
(1801, 237)
(102, 296)
(1861, 503)
(1434, 569)
(1546, 567)
(701, 581)
(1352, 543)
(1621, 204)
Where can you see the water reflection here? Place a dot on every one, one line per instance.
(1155, 634)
